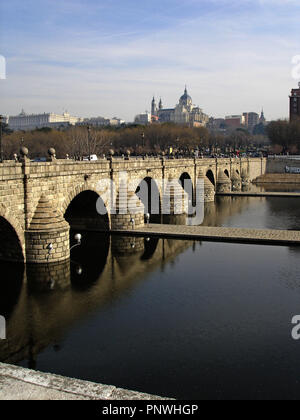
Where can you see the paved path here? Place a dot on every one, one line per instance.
(222, 234)
(17, 383)
(260, 194)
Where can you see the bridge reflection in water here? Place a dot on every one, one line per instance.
(155, 306)
(42, 302)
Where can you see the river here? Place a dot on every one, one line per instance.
(184, 319)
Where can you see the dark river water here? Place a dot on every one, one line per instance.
(184, 319)
(254, 212)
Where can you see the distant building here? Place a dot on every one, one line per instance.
(25, 121)
(245, 115)
(116, 121)
(154, 119)
(262, 119)
(235, 121)
(5, 119)
(185, 113)
(143, 119)
(251, 120)
(101, 122)
(217, 124)
(154, 108)
(166, 115)
(295, 104)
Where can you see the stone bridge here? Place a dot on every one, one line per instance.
(39, 202)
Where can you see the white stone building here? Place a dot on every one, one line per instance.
(185, 113)
(25, 121)
(101, 122)
(143, 119)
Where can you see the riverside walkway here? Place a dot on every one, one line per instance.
(221, 234)
(18, 383)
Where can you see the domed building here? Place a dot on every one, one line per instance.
(185, 99)
(184, 113)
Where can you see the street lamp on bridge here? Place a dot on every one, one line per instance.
(89, 141)
(143, 139)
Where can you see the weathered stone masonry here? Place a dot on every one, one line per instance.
(34, 197)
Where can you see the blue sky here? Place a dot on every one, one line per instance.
(108, 57)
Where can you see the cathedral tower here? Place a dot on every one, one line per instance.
(153, 107)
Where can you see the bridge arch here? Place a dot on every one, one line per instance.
(12, 242)
(211, 177)
(149, 194)
(73, 193)
(187, 184)
(80, 211)
(16, 233)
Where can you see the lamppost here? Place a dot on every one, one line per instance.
(1, 150)
(177, 145)
(148, 218)
(89, 141)
(143, 139)
(78, 238)
(132, 221)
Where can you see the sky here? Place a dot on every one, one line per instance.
(109, 57)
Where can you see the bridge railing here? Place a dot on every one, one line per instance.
(103, 162)
(285, 157)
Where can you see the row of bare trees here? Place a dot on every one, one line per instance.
(285, 136)
(82, 142)
(78, 142)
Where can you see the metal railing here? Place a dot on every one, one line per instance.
(290, 157)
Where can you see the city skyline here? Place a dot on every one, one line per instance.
(107, 58)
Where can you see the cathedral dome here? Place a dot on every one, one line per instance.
(185, 98)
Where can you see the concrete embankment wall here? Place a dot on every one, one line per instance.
(275, 171)
(277, 178)
(277, 165)
(257, 167)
